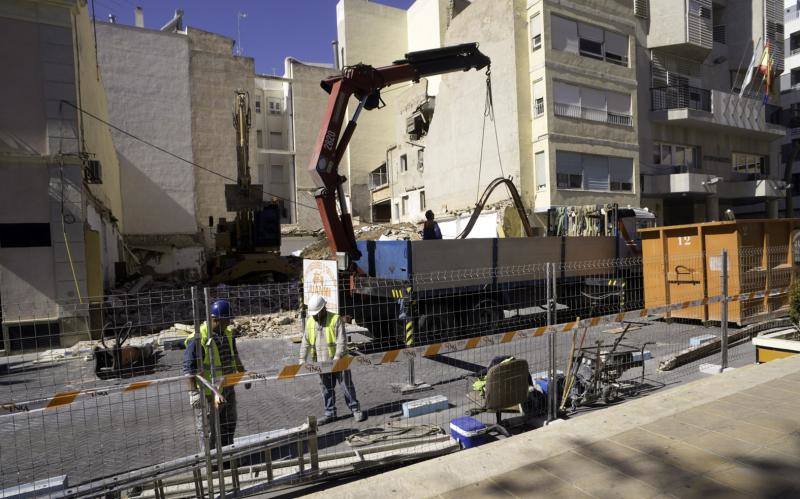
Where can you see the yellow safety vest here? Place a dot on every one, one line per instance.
(330, 334)
(218, 370)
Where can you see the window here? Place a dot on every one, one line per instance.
(616, 47)
(569, 172)
(620, 172)
(420, 159)
(274, 106)
(421, 200)
(259, 139)
(588, 40)
(258, 105)
(680, 158)
(275, 140)
(404, 204)
(403, 165)
(536, 32)
(593, 173)
(538, 98)
(795, 77)
(24, 235)
(541, 172)
(748, 163)
(277, 174)
(592, 104)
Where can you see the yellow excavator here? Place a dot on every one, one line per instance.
(248, 248)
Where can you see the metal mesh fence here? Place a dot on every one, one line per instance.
(98, 391)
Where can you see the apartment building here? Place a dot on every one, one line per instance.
(287, 113)
(632, 103)
(706, 145)
(60, 199)
(790, 98)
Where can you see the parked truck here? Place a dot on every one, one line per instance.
(425, 291)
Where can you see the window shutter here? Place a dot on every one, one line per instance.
(589, 32)
(568, 162)
(621, 171)
(541, 171)
(595, 172)
(564, 93)
(564, 34)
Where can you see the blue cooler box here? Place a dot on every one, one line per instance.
(468, 432)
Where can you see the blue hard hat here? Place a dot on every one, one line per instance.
(221, 309)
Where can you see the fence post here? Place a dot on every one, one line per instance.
(203, 402)
(214, 408)
(724, 312)
(552, 383)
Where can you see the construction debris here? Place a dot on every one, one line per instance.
(319, 250)
(275, 325)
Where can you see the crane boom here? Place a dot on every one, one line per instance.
(365, 83)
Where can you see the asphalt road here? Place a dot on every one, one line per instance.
(103, 435)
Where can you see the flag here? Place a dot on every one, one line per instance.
(748, 77)
(766, 59)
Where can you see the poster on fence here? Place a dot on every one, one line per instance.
(319, 278)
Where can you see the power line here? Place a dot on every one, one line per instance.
(201, 167)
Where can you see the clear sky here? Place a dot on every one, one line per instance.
(272, 30)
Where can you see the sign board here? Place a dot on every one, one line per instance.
(715, 263)
(320, 278)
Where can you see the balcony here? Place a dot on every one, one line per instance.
(688, 33)
(680, 97)
(689, 183)
(378, 183)
(591, 114)
(715, 110)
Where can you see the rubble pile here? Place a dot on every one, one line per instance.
(319, 249)
(275, 325)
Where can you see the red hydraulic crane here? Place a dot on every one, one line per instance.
(365, 83)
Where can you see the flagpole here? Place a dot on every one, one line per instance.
(745, 81)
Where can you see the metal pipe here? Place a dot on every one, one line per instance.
(215, 412)
(724, 312)
(203, 402)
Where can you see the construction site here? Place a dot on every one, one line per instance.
(195, 257)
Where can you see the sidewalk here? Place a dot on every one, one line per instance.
(731, 435)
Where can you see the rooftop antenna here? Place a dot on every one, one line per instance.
(239, 17)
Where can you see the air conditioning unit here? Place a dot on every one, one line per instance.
(93, 172)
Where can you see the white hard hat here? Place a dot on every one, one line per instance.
(315, 304)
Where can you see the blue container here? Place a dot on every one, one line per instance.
(468, 432)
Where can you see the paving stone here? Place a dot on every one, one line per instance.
(486, 488)
(569, 466)
(675, 429)
(642, 440)
(528, 478)
(656, 472)
(764, 482)
(725, 446)
(703, 487)
(743, 430)
(616, 485)
(609, 452)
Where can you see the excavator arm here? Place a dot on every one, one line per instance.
(365, 82)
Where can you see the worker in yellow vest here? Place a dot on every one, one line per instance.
(325, 339)
(220, 347)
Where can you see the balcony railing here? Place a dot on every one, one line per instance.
(378, 179)
(587, 113)
(680, 97)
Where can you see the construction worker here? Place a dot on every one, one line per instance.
(430, 230)
(218, 347)
(324, 337)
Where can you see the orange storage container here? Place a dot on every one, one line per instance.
(683, 263)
